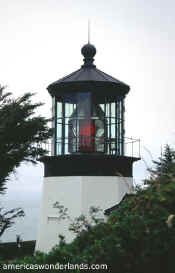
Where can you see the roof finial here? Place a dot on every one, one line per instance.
(88, 51)
(88, 31)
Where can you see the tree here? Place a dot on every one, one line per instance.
(164, 168)
(21, 133)
(7, 218)
(21, 136)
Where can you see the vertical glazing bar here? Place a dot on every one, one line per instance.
(110, 139)
(55, 120)
(63, 129)
(76, 129)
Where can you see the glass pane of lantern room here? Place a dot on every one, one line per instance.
(84, 105)
(79, 124)
(113, 129)
(59, 120)
(85, 123)
(98, 116)
(70, 109)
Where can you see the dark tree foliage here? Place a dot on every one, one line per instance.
(21, 136)
(21, 133)
(138, 237)
(164, 168)
(7, 218)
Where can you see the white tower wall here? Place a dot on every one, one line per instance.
(78, 194)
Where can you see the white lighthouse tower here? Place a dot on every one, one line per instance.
(88, 165)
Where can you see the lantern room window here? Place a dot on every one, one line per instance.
(86, 124)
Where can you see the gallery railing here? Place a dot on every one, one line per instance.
(124, 147)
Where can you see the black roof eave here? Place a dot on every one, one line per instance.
(58, 88)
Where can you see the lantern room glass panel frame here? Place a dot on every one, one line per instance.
(84, 123)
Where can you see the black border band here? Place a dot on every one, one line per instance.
(88, 165)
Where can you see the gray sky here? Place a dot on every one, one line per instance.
(135, 41)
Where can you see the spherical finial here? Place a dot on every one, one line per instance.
(88, 51)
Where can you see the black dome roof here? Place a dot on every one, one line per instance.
(88, 77)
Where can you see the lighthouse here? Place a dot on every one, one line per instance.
(89, 163)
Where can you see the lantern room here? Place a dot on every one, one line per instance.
(88, 110)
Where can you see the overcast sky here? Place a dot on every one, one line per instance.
(41, 41)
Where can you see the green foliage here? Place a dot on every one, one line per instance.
(7, 218)
(164, 168)
(21, 135)
(138, 237)
(82, 222)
